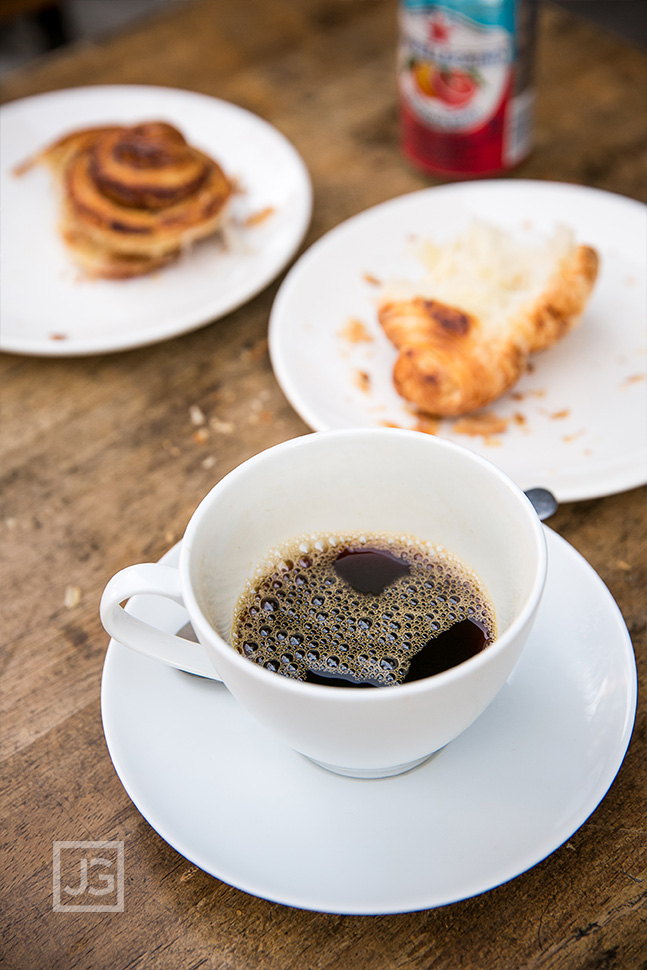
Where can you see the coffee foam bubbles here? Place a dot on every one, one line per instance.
(297, 614)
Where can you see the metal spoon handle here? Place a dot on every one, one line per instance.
(544, 502)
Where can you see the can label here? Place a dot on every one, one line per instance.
(464, 92)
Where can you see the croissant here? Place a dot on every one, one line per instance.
(133, 197)
(466, 346)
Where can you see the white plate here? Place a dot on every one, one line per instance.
(490, 805)
(43, 294)
(584, 408)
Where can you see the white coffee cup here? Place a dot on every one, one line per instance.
(359, 480)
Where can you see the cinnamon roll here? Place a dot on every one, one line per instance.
(134, 197)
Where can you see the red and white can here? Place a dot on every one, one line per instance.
(465, 82)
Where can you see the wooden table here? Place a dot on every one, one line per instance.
(102, 467)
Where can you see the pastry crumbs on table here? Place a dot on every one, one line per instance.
(72, 597)
(222, 427)
(197, 415)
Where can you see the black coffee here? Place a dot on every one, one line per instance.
(363, 611)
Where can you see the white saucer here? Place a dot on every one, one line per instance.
(49, 309)
(484, 809)
(580, 425)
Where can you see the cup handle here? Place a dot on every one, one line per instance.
(154, 579)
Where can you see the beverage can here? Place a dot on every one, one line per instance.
(465, 84)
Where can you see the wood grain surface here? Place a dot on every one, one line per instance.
(101, 467)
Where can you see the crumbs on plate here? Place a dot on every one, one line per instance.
(256, 218)
(355, 332)
(371, 280)
(362, 380)
(486, 425)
